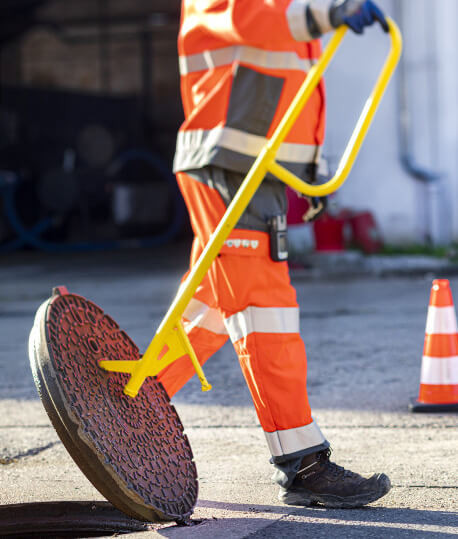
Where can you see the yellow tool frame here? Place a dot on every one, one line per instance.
(171, 341)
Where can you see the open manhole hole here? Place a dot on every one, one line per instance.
(66, 519)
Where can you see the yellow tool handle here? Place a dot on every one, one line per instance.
(264, 163)
(192, 356)
(362, 126)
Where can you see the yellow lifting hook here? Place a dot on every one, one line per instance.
(171, 341)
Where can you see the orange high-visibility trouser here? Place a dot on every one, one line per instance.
(248, 297)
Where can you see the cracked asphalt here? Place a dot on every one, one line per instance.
(364, 339)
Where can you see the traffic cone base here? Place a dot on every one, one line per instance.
(417, 406)
(439, 368)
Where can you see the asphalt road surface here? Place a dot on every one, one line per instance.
(364, 339)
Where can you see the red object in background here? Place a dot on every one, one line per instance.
(333, 233)
(328, 230)
(297, 207)
(329, 233)
(364, 232)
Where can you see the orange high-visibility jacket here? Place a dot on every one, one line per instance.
(241, 63)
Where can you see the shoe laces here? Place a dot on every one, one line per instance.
(323, 457)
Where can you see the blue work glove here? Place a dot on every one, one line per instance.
(356, 14)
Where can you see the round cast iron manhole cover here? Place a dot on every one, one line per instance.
(134, 451)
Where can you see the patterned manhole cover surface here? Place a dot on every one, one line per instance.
(134, 451)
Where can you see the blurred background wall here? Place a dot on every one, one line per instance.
(407, 172)
(89, 111)
(90, 91)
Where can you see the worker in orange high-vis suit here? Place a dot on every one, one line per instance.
(241, 63)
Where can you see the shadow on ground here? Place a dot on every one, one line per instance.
(319, 522)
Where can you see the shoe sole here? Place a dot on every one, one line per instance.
(307, 498)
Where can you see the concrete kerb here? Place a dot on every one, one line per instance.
(348, 264)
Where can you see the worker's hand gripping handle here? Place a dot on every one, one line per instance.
(360, 131)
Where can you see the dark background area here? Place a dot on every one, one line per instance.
(89, 109)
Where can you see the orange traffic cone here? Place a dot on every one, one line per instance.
(439, 368)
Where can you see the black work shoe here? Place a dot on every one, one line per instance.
(320, 481)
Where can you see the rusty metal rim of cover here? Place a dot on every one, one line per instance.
(152, 479)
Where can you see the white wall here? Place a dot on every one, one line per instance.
(407, 210)
(447, 40)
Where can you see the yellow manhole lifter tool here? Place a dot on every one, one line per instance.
(171, 341)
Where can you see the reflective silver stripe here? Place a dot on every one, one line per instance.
(297, 21)
(244, 55)
(244, 143)
(285, 442)
(441, 320)
(263, 320)
(206, 60)
(439, 370)
(201, 315)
